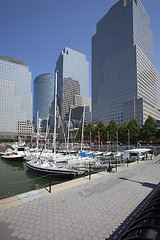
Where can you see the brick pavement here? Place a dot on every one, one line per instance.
(93, 210)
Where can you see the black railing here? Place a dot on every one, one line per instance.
(47, 185)
(147, 223)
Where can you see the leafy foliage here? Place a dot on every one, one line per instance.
(112, 129)
(149, 130)
(134, 130)
(89, 132)
(99, 131)
(123, 132)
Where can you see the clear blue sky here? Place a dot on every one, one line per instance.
(36, 31)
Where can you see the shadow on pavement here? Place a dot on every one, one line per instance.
(144, 184)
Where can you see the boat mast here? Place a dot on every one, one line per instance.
(82, 128)
(68, 129)
(99, 140)
(46, 134)
(62, 126)
(37, 129)
(55, 109)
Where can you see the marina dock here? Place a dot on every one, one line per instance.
(100, 208)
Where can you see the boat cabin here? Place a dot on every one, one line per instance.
(136, 154)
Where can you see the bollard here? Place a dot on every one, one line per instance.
(89, 171)
(116, 165)
(109, 168)
(50, 183)
(127, 162)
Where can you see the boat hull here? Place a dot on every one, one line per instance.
(54, 174)
(11, 158)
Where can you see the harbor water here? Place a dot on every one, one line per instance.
(16, 179)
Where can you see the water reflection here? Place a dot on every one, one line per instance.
(16, 179)
(15, 165)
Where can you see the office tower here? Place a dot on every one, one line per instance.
(15, 95)
(125, 83)
(25, 129)
(43, 98)
(82, 103)
(72, 65)
(70, 88)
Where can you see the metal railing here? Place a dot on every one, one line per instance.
(146, 226)
(47, 185)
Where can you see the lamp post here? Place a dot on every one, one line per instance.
(117, 139)
(128, 139)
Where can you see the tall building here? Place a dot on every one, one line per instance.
(70, 89)
(82, 103)
(72, 64)
(125, 83)
(15, 95)
(25, 129)
(43, 99)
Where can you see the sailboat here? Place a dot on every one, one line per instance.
(84, 158)
(107, 153)
(49, 168)
(98, 152)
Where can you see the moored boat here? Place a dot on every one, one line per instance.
(98, 153)
(12, 156)
(49, 169)
(107, 153)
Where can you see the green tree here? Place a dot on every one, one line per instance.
(134, 130)
(79, 134)
(100, 129)
(149, 130)
(123, 132)
(112, 131)
(158, 136)
(89, 132)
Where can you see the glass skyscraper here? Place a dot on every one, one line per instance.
(15, 95)
(43, 98)
(125, 83)
(72, 64)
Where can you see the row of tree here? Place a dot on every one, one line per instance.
(124, 133)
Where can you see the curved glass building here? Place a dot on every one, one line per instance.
(43, 98)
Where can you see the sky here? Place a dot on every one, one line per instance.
(36, 31)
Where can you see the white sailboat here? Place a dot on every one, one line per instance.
(48, 168)
(84, 158)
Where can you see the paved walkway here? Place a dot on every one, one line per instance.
(82, 209)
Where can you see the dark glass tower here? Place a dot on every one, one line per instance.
(125, 83)
(43, 100)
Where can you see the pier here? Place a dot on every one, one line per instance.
(100, 208)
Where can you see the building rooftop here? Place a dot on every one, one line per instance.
(9, 59)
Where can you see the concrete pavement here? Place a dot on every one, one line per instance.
(81, 209)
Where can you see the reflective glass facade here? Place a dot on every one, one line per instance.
(72, 64)
(43, 98)
(125, 83)
(15, 95)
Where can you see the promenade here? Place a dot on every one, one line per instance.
(80, 209)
